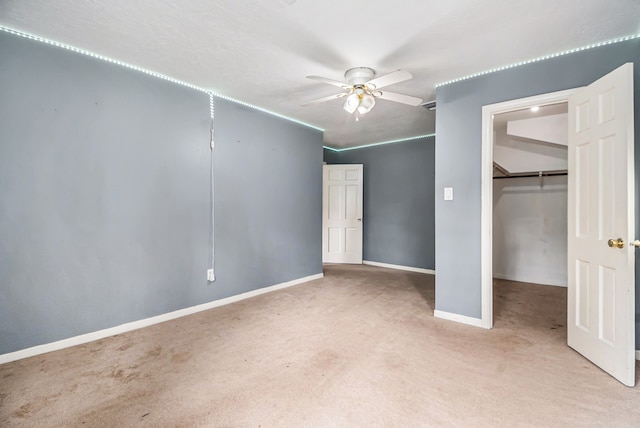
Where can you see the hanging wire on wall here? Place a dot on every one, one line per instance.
(211, 274)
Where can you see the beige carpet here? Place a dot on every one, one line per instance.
(358, 348)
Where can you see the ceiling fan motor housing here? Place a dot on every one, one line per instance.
(359, 75)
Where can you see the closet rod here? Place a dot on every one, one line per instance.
(533, 174)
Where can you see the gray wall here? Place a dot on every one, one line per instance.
(331, 156)
(458, 157)
(268, 199)
(398, 206)
(104, 196)
(530, 230)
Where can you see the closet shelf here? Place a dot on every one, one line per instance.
(533, 174)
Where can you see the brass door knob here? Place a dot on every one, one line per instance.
(618, 243)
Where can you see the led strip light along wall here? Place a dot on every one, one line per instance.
(251, 106)
(542, 58)
(401, 140)
(103, 58)
(152, 73)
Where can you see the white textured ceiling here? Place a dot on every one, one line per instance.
(259, 51)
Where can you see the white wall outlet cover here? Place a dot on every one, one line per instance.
(448, 193)
(210, 275)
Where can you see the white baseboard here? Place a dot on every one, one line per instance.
(399, 267)
(101, 334)
(476, 322)
(529, 280)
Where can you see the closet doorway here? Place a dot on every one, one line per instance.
(530, 155)
(487, 183)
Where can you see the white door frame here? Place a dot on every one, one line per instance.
(486, 217)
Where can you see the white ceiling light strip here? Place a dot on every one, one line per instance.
(150, 73)
(402, 140)
(542, 58)
(100, 57)
(251, 106)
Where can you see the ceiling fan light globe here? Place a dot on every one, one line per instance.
(366, 104)
(351, 104)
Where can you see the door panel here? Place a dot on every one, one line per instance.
(601, 294)
(582, 295)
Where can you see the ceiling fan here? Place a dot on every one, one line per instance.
(362, 88)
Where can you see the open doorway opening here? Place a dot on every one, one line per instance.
(488, 168)
(530, 213)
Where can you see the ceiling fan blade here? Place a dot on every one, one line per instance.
(324, 99)
(399, 98)
(389, 79)
(342, 85)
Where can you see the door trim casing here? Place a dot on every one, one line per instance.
(486, 216)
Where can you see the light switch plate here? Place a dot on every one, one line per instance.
(448, 193)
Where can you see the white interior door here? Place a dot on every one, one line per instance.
(342, 214)
(601, 294)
